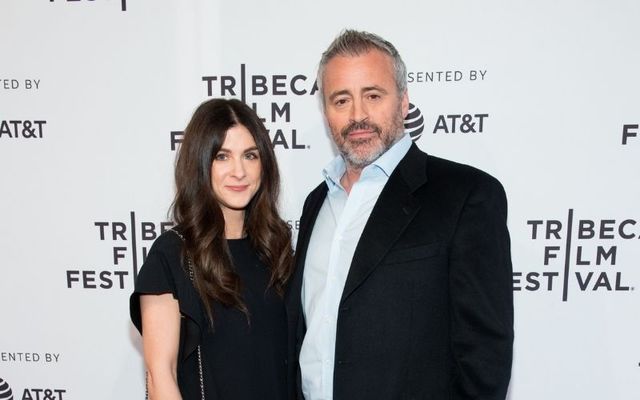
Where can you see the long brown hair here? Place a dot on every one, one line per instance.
(199, 217)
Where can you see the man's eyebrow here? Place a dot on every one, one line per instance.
(338, 93)
(374, 87)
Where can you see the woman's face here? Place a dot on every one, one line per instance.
(236, 170)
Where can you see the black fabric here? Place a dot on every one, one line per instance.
(242, 359)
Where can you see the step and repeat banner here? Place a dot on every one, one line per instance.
(94, 97)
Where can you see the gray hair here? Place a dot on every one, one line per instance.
(355, 43)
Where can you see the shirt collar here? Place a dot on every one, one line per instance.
(385, 164)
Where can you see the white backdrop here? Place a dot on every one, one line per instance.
(91, 91)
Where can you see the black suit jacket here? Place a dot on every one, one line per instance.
(427, 308)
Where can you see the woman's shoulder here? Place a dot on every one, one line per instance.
(165, 254)
(169, 243)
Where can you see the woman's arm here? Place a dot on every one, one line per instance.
(160, 339)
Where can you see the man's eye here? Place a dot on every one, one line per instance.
(341, 102)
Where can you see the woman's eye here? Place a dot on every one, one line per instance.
(221, 157)
(251, 156)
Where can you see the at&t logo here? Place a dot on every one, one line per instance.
(414, 122)
(460, 123)
(5, 390)
(27, 129)
(31, 393)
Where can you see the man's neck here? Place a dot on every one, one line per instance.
(350, 178)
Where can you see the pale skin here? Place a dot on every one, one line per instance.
(362, 88)
(235, 178)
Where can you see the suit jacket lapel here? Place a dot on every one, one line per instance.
(394, 210)
(308, 219)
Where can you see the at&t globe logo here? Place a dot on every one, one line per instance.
(414, 122)
(5, 390)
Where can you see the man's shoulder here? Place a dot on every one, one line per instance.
(319, 191)
(451, 172)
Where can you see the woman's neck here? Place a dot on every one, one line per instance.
(233, 224)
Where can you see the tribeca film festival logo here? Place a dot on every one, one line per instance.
(630, 134)
(129, 242)
(578, 254)
(123, 3)
(276, 115)
(6, 393)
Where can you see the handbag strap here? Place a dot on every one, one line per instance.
(199, 352)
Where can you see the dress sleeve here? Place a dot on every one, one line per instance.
(163, 272)
(157, 274)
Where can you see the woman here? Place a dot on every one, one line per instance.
(208, 299)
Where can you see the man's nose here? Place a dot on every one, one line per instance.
(359, 111)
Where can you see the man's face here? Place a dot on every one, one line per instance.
(363, 108)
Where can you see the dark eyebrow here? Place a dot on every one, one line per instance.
(244, 151)
(374, 87)
(338, 93)
(364, 90)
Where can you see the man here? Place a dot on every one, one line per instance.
(403, 280)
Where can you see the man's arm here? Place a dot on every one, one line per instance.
(482, 295)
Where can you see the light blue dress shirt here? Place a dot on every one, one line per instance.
(335, 236)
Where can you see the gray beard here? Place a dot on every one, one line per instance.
(359, 162)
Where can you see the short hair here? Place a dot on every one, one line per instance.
(355, 43)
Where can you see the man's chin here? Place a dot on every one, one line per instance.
(362, 158)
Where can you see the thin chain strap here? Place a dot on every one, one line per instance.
(190, 265)
(200, 374)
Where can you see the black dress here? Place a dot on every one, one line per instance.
(242, 359)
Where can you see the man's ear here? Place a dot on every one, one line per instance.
(405, 103)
